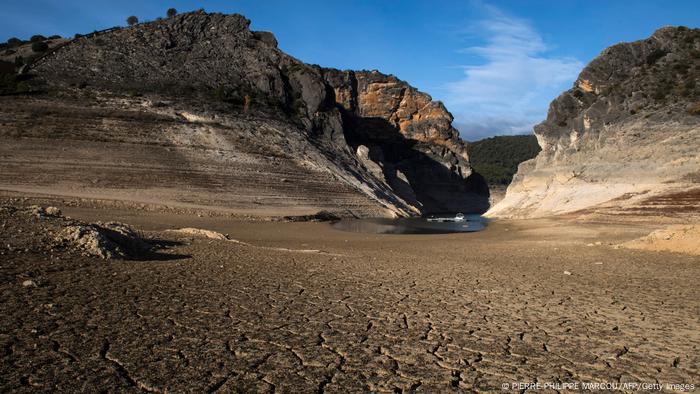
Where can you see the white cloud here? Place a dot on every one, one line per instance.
(510, 90)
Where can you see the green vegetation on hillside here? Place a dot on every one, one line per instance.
(12, 84)
(497, 158)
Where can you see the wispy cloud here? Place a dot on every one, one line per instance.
(509, 90)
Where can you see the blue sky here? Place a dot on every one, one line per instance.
(495, 64)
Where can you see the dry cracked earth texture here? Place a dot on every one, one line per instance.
(301, 307)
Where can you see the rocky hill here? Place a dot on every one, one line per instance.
(624, 139)
(198, 109)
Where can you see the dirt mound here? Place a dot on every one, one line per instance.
(105, 240)
(110, 240)
(678, 238)
(199, 232)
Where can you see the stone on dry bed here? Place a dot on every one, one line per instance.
(106, 240)
(46, 228)
(41, 212)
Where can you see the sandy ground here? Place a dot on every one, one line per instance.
(677, 238)
(302, 307)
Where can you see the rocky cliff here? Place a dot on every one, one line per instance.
(411, 139)
(625, 138)
(209, 88)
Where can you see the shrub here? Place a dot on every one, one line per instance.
(37, 38)
(228, 95)
(55, 37)
(13, 42)
(298, 106)
(12, 84)
(171, 12)
(7, 67)
(655, 55)
(40, 46)
(132, 20)
(659, 95)
(219, 93)
(681, 68)
(694, 109)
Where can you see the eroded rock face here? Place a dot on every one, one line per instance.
(625, 133)
(373, 95)
(193, 55)
(422, 156)
(211, 66)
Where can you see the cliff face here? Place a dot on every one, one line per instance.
(411, 138)
(371, 133)
(626, 135)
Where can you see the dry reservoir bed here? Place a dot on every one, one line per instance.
(301, 307)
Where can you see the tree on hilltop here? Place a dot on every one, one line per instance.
(132, 20)
(14, 41)
(40, 46)
(171, 12)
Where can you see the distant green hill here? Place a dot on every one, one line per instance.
(497, 158)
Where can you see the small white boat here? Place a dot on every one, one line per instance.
(457, 218)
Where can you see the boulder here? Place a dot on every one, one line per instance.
(266, 37)
(110, 240)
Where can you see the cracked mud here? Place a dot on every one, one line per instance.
(383, 313)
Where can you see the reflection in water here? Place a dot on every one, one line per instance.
(412, 225)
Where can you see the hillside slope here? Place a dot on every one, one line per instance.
(198, 109)
(497, 158)
(624, 139)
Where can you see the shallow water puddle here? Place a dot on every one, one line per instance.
(435, 224)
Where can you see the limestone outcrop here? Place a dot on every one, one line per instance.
(110, 240)
(421, 155)
(626, 135)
